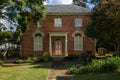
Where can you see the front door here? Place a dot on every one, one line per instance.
(58, 47)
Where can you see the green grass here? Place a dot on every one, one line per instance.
(99, 76)
(26, 72)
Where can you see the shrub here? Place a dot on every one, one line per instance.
(106, 65)
(36, 59)
(46, 57)
(20, 61)
(29, 60)
(71, 57)
(86, 57)
(1, 62)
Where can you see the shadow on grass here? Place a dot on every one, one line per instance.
(42, 65)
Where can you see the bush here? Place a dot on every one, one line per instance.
(29, 60)
(71, 57)
(46, 57)
(20, 61)
(86, 57)
(106, 65)
(1, 62)
(36, 59)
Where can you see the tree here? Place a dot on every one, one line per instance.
(82, 3)
(23, 11)
(105, 24)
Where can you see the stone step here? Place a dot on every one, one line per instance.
(58, 58)
(65, 78)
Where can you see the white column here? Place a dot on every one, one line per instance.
(66, 46)
(50, 45)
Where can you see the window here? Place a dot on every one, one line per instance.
(58, 22)
(38, 42)
(78, 22)
(78, 42)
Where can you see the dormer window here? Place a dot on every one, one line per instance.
(78, 22)
(58, 22)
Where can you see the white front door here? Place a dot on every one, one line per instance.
(58, 47)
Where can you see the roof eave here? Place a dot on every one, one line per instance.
(68, 13)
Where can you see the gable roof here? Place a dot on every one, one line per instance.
(66, 9)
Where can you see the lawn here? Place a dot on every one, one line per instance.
(25, 72)
(99, 76)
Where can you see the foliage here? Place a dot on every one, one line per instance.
(36, 59)
(86, 57)
(98, 76)
(1, 62)
(22, 12)
(46, 57)
(71, 57)
(5, 36)
(106, 65)
(105, 24)
(29, 60)
(20, 61)
(82, 3)
(69, 64)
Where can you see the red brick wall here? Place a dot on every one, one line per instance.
(48, 26)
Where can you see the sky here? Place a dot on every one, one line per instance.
(56, 2)
(53, 2)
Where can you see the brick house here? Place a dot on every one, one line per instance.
(61, 33)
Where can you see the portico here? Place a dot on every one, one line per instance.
(58, 43)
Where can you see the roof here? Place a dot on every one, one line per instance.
(66, 9)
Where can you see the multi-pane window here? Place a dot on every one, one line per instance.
(78, 22)
(78, 42)
(58, 22)
(37, 42)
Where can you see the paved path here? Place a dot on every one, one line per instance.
(58, 72)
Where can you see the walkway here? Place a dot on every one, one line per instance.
(58, 72)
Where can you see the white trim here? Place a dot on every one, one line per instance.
(38, 31)
(58, 34)
(50, 45)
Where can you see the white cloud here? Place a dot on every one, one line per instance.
(57, 2)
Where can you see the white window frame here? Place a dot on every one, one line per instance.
(58, 22)
(38, 43)
(78, 22)
(78, 43)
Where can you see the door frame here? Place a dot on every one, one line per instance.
(51, 34)
(58, 47)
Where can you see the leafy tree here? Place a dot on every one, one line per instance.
(105, 24)
(82, 3)
(23, 11)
